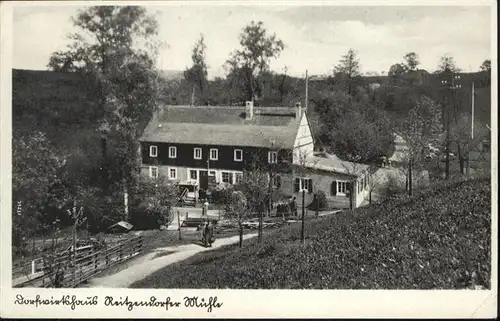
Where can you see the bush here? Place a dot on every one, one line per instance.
(438, 239)
(143, 218)
(392, 186)
(154, 206)
(221, 196)
(319, 201)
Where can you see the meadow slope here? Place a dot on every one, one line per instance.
(438, 239)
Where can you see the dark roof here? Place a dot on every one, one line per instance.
(223, 125)
(332, 163)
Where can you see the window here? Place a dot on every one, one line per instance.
(238, 155)
(303, 184)
(341, 187)
(153, 172)
(238, 177)
(172, 152)
(197, 153)
(214, 154)
(211, 173)
(227, 177)
(272, 157)
(193, 174)
(153, 151)
(172, 173)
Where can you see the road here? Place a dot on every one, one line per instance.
(159, 258)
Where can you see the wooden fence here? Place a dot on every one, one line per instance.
(35, 265)
(72, 271)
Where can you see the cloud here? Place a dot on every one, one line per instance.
(315, 36)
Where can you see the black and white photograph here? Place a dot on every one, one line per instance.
(249, 146)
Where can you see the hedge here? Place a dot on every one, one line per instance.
(438, 239)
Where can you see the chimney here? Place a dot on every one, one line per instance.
(248, 110)
(298, 110)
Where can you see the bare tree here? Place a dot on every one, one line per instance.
(421, 129)
(254, 185)
(238, 210)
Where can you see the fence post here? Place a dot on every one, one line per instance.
(120, 252)
(33, 269)
(96, 261)
(179, 224)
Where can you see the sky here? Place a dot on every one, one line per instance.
(315, 37)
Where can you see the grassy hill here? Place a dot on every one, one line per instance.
(439, 239)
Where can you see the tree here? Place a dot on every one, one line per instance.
(197, 73)
(486, 65)
(486, 71)
(282, 85)
(396, 71)
(36, 179)
(158, 197)
(257, 49)
(115, 45)
(237, 209)
(352, 128)
(447, 64)
(234, 84)
(411, 61)
(421, 129)
(254, 186)
(348, 70)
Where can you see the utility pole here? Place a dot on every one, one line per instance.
(302, 232)
(307, 90)
(473, 98)
(452, 86)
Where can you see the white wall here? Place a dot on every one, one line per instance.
(304, 143)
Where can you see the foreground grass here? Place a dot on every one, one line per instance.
(439, 239)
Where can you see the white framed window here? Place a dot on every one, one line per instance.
(197, 153)
(172, 152)
(153, 172)
(193, 174)
(214, 154)
(302, 183)
(238, 155)
(227, 177)
(272, 157)
(172, 173)
(238, 177)
(153, 151)
(341, 187)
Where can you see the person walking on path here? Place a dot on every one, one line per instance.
(208, 237)
(293, 206)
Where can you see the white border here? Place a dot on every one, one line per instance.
(245, 303)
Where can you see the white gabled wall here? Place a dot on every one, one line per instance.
(304, 143)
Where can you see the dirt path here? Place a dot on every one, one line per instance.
(157, 259)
